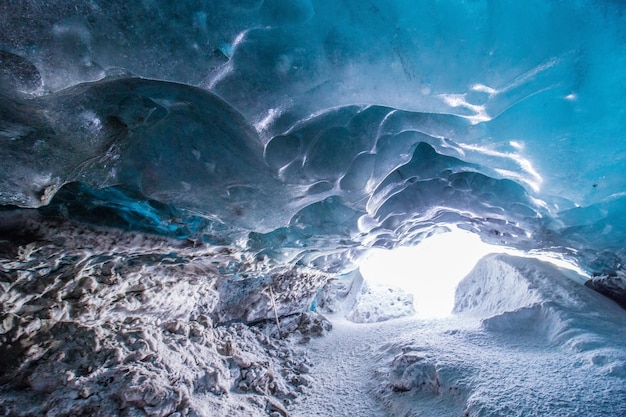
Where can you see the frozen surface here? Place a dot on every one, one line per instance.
(103, 323)
(178, 175)
(376, 302)
(317, 130)
(352, 298)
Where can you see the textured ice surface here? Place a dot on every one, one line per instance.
(294, 135)
(320, 128)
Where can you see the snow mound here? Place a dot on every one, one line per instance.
(360, 301)
(528, 339)
(520, 297)
(492, 288)
(501, 283)
(420, 372)
(413, 371)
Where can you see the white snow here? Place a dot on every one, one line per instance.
(342, 371)
(554, 348)
(376, 302)
(452, 366)
(124, 324)
(101, 323)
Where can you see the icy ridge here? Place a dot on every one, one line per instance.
(267, 116)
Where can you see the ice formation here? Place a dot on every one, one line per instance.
(178, 174)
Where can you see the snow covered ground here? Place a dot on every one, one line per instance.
(103, 323)
(342, 370)
(540, 345)
(457, 369)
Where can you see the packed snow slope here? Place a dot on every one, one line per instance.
(523, 343)
(313, 129)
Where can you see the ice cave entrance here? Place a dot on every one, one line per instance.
(430, 271)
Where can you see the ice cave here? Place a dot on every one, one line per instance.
(296, 208)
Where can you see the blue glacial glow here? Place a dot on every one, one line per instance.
(314, 130)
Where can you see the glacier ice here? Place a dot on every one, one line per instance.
(272, 114)
(264, 146)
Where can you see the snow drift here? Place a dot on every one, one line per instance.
(520, 322)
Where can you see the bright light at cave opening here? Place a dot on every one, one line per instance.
(430, 271)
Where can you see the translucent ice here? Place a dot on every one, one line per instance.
(313, 130)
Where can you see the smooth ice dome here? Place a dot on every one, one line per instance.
(178, 178)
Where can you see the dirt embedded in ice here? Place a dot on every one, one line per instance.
(612, 284)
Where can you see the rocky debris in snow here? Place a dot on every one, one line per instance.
(361, 301)
(332, 297)
(282, 292)
(412, 371)
(104, 323)
(612, 285)
(139, 367)
(305, 325)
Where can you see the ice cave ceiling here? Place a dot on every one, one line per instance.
(311, 130)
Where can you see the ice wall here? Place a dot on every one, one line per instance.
(316, 129)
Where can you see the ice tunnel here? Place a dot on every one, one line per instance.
(188, 190)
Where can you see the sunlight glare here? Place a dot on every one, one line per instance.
(430, 271)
